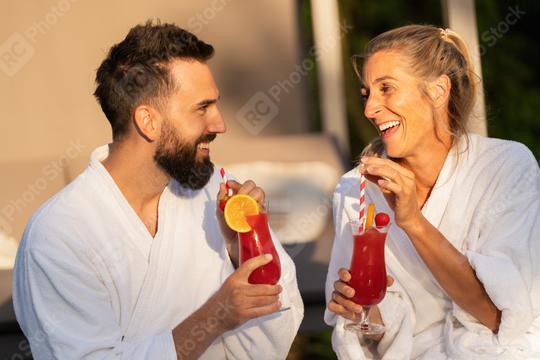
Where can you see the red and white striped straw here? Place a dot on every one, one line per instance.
(224, 177)
(362, 209)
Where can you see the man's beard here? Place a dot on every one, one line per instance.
(179, 160)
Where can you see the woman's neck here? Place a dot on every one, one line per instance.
(426, 166)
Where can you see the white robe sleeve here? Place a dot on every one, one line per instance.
(65, 310)
(506, 256)
(270, 336)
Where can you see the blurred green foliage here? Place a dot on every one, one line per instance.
(511, 69)
(312, 346)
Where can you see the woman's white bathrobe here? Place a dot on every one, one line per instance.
(486, 202)
(91, 283)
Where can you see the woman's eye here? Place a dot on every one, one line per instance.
(386, 89)
(364, 94)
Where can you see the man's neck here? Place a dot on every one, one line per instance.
(136, 175)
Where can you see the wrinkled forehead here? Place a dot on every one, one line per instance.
(385, 64)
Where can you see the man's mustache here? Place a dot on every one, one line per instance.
(206, 138)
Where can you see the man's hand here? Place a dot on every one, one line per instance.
(236, 302)
(243, 301)
(248, 188)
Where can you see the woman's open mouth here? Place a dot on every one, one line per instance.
(387, 129)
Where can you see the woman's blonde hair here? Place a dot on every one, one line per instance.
(433, 52)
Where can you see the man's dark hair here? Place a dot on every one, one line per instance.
(136, 70)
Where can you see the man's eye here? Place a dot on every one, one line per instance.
(203, 109)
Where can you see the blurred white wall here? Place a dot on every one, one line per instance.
(50, 49)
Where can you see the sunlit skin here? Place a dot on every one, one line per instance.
(417, 150)
(192, 110)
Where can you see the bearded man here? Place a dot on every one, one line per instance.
(132, 260)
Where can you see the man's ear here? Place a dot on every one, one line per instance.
(146, 122)
(439, 90)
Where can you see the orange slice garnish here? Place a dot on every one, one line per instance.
(237, 208)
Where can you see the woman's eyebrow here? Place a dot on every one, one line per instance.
(382, 78)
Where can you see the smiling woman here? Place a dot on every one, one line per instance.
(425, 77)
(458, 218)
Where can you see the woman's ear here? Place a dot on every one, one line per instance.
(146, 122)
(439, 90)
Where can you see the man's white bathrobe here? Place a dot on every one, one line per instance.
(486, 202)
(90, 282)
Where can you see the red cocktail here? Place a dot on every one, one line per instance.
(258, 242)
(368, 272)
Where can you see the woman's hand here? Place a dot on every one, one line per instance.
(398, 186)
(341, 303)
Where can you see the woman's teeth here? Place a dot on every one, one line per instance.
(388, 125)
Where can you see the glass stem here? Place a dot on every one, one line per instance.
(364, 319)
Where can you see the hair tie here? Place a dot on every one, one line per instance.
(444, 33)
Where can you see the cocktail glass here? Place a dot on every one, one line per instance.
(368, 274)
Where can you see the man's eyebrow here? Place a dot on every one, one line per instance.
(207, 102)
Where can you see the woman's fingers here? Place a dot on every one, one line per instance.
(384, 172)
(344, 275)
(372, 160)
(389, 186)
(344, 289)
(341, 310)
(346, 303)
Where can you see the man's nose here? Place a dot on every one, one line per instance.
(216, 124)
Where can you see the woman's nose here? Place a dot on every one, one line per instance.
(373, 107)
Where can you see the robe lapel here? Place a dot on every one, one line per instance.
(158, 266)
(436, 204)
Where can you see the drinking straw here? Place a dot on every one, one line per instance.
(370, 216)
(361, 213)
(224, 177)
